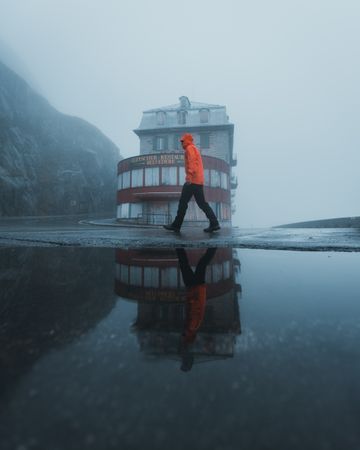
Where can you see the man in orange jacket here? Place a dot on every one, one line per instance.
(194, 186)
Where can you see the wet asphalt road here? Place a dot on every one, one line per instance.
(101, 232)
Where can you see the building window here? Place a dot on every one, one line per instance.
(224, 180)
(217, 272)
(204, 140)
(225, 211)
(135, 276)
(168, 176)
(120, 181)
(226, 269)
(160, 118)
(124, 273)
(135, 210)
(182, 117)
(137, 178)
(160, 143)
(151, 277)
(173, 206)
(215, 206)
(181, 175)
(215, 178)
(123, 211)
(207, 177)
(152, 176)
(169, 277)
(126, 180)
(204, 115)
(218, 209)
(177, 143)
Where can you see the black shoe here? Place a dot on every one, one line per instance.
(212, 228)
(171, 228)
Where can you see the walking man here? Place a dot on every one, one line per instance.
(194, 186)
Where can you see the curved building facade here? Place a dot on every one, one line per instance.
(149, 188)
(153, 275)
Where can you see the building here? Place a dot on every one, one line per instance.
(152, 278)
(149, 185)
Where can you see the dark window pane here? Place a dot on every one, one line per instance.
(161, 143)
(177, 143)
(160, 118)
(204, 115)
(182, 117)
(205, 140)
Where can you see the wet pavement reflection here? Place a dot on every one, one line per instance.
(187, 301)
(174, 348)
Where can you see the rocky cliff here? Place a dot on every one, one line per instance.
(50, 163)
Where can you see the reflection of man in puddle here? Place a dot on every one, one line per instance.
(195, 301)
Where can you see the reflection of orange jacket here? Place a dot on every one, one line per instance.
(195, 310)
(193, 162)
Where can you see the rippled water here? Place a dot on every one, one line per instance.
(105, 349)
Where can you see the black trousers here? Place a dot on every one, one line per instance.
(191, 278)
(196, 190)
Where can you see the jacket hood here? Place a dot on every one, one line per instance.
(187, 139)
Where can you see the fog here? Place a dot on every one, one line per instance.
(288, 72)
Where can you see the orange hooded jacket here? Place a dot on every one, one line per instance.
(195, 311)
(193, 163)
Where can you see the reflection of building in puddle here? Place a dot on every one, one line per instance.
(167, 286)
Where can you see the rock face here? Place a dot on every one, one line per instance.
(50, 163)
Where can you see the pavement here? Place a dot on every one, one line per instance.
(104, 232)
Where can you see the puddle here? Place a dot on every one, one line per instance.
(146, 348)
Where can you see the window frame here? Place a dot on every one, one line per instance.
(142, 177)
(160, 142)
(181, 117)
(126, 177)
(206, 144)
(204, 119)
(212, 177)
(161, 114)
(224, 177)
(173, 181)
(152, 169)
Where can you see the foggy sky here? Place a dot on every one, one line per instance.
(288, 72)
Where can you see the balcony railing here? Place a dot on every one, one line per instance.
(154, 218)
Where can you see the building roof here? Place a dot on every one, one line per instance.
(178, 106)
(150, 121)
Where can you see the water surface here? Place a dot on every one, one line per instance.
(93, 353)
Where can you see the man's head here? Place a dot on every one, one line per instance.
(186, 140)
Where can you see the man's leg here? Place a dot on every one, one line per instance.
(200, 200)
(186, 194)
(186, 270)
(200, 270)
